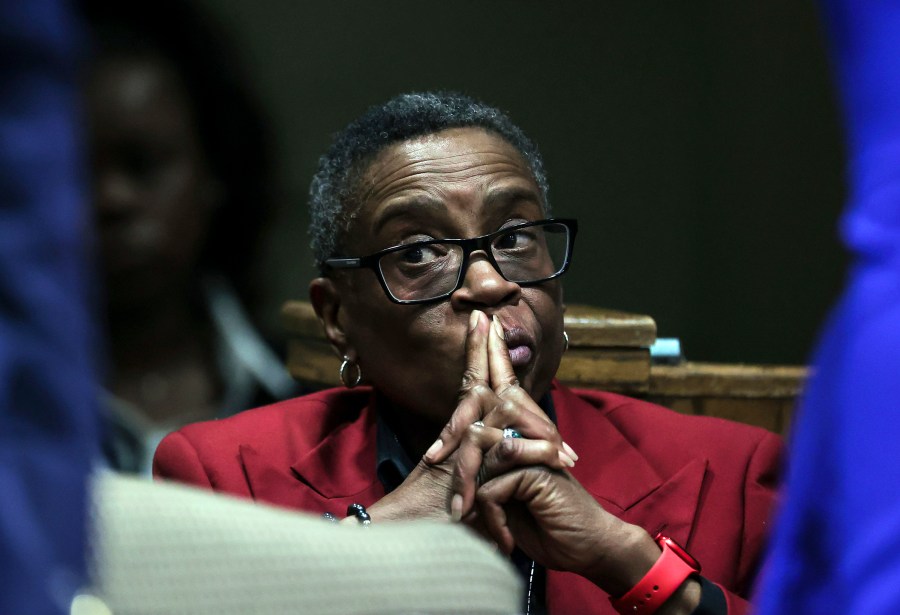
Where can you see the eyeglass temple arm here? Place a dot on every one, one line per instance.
(343, 263)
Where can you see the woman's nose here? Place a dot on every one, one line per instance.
(484, 286)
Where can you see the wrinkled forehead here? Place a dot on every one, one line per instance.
(464, 168)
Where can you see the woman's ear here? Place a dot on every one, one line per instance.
(326, 301)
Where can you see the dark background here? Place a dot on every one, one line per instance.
(697, 142)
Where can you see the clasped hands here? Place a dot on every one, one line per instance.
(518, 491)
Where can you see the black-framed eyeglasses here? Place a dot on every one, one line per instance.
(424, 271)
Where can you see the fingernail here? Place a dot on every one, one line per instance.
(566, 460)
(571, 452)
(456, 507)
(473, 319)
(498, 328)
(434, 448)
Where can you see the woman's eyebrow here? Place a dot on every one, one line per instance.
(414, 206)
(509, 195)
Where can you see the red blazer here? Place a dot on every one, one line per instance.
(709, 483)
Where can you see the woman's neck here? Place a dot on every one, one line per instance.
(162, 361)
(414, 432)
(142, 337)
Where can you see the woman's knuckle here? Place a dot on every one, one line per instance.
(547, 431)
(549, 450)
(470, 379)
(452, 426)
(458, 480)
(461, 471)
(508, 448)
(481, 391)
(508, 410)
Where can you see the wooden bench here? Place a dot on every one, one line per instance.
(608, 350)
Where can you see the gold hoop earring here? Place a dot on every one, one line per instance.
(346, 367)
(565, 341)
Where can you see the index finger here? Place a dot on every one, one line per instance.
(474, 384)
(476, 370)
(501, 368)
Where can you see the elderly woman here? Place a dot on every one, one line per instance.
(440, 289)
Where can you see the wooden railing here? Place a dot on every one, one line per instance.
(608, 350)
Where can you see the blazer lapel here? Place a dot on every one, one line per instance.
(337, 471)
(621, 477)
(671, 506)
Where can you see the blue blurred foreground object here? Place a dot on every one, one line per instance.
(837, 542)
(47, 415)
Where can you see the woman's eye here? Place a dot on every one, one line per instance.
(413, 255)
(514, 239)
(418, 255)
(506, 241)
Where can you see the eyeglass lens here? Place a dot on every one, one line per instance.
(524, 255)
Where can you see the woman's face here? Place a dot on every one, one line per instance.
(457, 183)
(153, 193)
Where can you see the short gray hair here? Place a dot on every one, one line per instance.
(333, 194)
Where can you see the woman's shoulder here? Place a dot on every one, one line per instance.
(288, 428)
(651, 426)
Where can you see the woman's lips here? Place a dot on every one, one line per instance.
(520, 355)
(520, 345)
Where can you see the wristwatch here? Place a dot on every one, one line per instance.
(664, 577)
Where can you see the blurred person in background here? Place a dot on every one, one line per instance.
(182, 193)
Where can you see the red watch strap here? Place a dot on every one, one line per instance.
(660, 582)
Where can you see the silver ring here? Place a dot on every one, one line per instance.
(509, 432)
(478, 423)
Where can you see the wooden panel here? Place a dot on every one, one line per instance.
(773, 414)
(788, 407)
(727, 380)
(764, 413)
(684, 405)
(313, 362)
(300, 319)
(597, 327)
(620, 369)
(761, 395)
